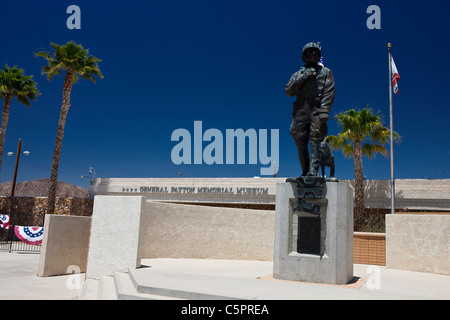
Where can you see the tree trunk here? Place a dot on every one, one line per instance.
(5, 116)
(51, 201)
(359, 187)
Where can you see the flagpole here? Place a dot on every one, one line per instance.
(391, 133)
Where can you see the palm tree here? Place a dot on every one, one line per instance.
(14, 84)
(362, 134)
(76, 62)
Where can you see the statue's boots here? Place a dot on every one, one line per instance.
(303, 157)
(314, 159)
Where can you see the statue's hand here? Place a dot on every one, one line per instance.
(306, 73)
(301, 75)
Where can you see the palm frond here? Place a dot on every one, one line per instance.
(370, 150)
(70, 56)
(364, 126)
(44, 54)
(14, 82)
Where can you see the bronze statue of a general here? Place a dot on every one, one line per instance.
(313, 86)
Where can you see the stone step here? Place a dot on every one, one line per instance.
(107, 288)
(126, 289)
(89, 290)
(190, 287)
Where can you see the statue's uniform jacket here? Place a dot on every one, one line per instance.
(314, 95)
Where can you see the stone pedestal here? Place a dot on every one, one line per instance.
(323, 253)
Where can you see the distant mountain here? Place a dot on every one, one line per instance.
(39, 188)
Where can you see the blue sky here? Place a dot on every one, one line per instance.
(225, 63)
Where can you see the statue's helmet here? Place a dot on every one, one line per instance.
(307, 58)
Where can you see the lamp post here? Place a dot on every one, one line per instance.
(19, 146)
(91, 171)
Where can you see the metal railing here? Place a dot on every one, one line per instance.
(9, 242)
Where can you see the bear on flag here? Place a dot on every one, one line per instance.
(4, 221)
(395, 76)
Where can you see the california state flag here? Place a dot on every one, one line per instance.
(395, 76)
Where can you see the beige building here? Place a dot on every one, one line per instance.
(415, 194)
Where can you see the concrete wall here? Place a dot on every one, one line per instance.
(126, 229)
(65, 243)
(190, 231)
(418, 243)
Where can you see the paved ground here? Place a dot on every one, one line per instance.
(18, 280)
(252, 280)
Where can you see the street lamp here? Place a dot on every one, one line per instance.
(19, 146)
(91, 171)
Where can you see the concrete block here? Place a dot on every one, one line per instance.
(115, 235)
(334, 264)
(418, 242)
(65, 244)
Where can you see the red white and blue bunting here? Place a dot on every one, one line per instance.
(30, 235)
(4, 221)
